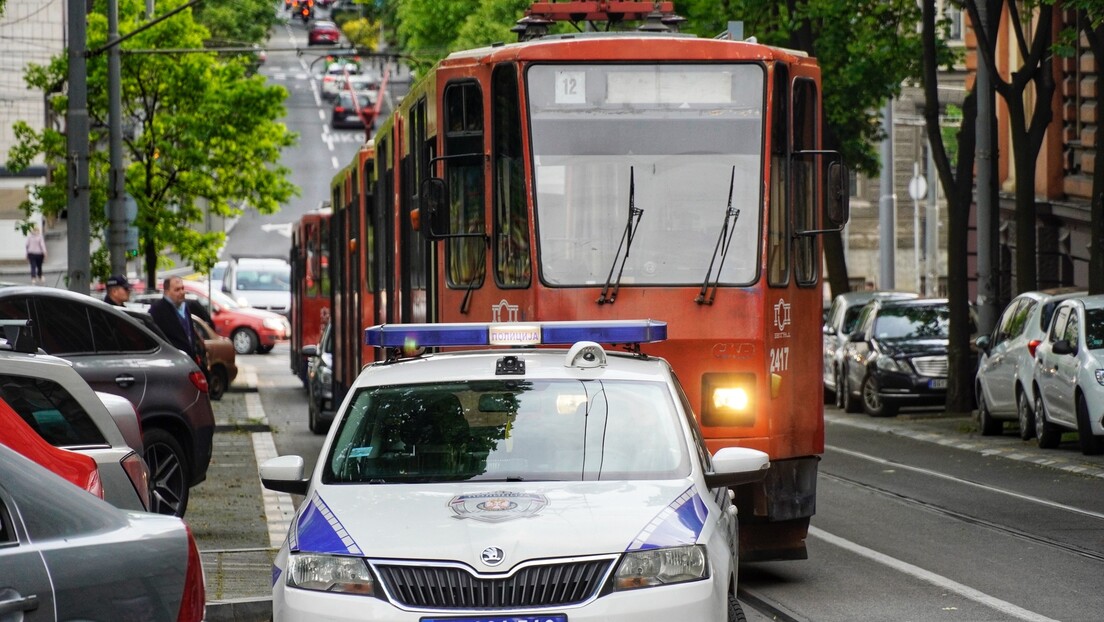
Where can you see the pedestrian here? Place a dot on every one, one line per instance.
(170, 313)
(118, 290)
(36, 254)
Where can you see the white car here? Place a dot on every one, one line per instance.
(521, 484)
(334, 78)
(1069, 376)
(1006, 361)
(259, 282)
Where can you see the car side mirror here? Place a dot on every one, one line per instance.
(311, 350)
(733, 466)
(982, 343)
(284, 474)
(1064, 347)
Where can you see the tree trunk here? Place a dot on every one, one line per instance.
(1027, 277)
(1095, 37)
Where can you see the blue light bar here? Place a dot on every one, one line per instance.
(514, 333)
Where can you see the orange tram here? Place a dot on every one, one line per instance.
(611, 176)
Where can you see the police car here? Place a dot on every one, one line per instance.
(513, 485)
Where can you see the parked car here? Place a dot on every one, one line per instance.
(115, 353)
(841, 318)
(52, 399)
(320, 400)
(215, 277)
(323, 32)
(222, 359)
(1069, 376)
(897, 356)
(259, 282)
(1006, 361)
(75, 468)
(66, 555)
(347, 111)
(474, 452)
(249, 330)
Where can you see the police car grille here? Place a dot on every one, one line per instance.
(455, 588)
(931, 366)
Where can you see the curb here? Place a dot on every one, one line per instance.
(240, 610)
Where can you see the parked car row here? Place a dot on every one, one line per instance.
(1043, 366)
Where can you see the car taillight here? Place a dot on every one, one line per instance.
(193, 607)
(138, 473)
(199, 380)
(339, 109)
(328, 79)
(1031, 345)
(94, 485)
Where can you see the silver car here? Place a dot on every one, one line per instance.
(840, 322)
(1006, 360)
(58, 404)
(66, 555)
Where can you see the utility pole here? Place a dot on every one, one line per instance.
(887, 206)
(76, 145)
(116, 184)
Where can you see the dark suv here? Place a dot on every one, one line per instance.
(114, 353)
(897, 356)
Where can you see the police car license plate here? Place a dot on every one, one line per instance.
(937, 383)
(556, 617)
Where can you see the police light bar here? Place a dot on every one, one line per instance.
(514, 333)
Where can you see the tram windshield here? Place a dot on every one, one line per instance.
(679, 131)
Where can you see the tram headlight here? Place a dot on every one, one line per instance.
(728, 400)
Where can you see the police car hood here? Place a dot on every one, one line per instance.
(523, 521)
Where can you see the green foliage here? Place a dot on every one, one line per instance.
(427, 28)
(490, 23)
(362, 32)
(949, 128)
(236, 21)
(205, 137)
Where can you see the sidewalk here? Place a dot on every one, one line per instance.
(54, 268)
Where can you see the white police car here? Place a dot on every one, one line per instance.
(513, 485)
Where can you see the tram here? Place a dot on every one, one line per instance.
(311, 283)
(613, 176)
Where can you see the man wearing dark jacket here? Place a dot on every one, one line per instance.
(171, 315)
(118, 290)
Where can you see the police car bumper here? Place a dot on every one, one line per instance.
(701, 601)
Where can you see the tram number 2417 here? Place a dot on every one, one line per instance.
(780, 359)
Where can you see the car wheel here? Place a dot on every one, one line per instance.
(735, 612)
(168, 473)
(850, 404)
(245, 341)
(264, 349)
(986, 423)
(1091, 444)
(1026, 416)
(217, 382)
(873, 403)
(314, 419)
(1047, 435)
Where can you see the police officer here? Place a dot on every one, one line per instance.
(118, 290)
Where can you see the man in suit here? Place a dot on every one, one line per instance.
(172, 317)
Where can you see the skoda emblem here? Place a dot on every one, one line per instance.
(491, 556)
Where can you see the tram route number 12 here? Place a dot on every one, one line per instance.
(570, 87)
(780, 359)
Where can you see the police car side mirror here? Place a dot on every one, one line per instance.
(733, 466)
(284, 474)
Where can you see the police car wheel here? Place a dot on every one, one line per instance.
(735, 612)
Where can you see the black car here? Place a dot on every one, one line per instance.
(347, 112)
(115, 353)
(897, 356)
(320, 403)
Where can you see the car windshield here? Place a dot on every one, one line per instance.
(267, 279)
(218, 271)
(509, 430)
(850, 317)
(1094, 328)
(913, 322)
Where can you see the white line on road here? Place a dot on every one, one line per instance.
(994, 489)
(321, 114)
(336, 164)
(1006, 608)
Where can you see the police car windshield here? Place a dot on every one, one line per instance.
(509, 430)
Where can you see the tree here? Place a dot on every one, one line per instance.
(957, 180)
(867, 49)
(1036, 73)
(427, 29)
(205, 138)
(238, 22)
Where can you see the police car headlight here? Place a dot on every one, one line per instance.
(661, 567)
(272, 323)
(330, 573)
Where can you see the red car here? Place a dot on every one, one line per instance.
(323, 33)
(71, 466)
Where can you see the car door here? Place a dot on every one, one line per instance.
(831, 342)
(997, 370)
(1045, 361)
(25, 590)
(858, 352)
(1065, 372)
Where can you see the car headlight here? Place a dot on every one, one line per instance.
(889, 364)
(661, 567)
(1100, 376)
(330, 573)
(325, 375)
(272, 323)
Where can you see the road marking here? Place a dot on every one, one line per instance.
(336, 164)
(1005, 607)
(966, 482)
(278, 506)
(321, 115)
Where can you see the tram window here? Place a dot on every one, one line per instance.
(466, 256)
(803, 179)
(513, 266)
(778, 249)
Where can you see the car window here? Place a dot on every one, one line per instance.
(1046, 313)
(51, 410)
(1059, 325)
(1072, 329)
(913, 321)
(115, 334)
(1019, 321)
(862, 325)
(64, 328)
(508, 431)
(1094, 329)
(7, 533)
(851, 319)
(1003, 326)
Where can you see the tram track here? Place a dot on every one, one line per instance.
(753, 600)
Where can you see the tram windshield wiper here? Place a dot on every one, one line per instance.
(709, 292)
(635, 213)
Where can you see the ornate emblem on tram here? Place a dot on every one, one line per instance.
(781, 317)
